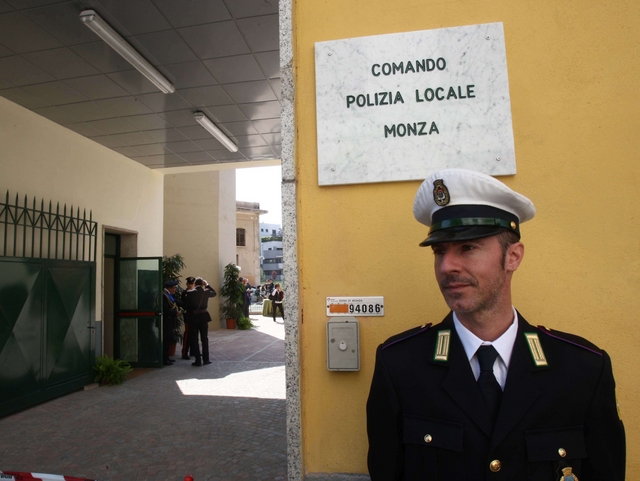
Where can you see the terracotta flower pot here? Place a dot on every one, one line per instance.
(172, 349)
(231, 323)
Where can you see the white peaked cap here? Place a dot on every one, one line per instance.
(460, 204)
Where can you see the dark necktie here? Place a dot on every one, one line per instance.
(487, 382)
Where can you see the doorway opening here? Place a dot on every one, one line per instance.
(116, 244)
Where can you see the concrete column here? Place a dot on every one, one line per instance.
(200, 225)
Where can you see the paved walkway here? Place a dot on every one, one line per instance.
(221, 422)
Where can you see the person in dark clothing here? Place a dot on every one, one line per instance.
(170, 310)
(276, 298)
(484, 395)
(196, 301)
(191, 283)
(246, 301)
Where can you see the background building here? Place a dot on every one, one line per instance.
(248, 240)
(271, 260)
(270, 230)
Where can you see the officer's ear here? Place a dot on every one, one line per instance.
(513, 256)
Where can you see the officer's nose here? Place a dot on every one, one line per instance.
(448, 262)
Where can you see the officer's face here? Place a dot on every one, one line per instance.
(472, 275)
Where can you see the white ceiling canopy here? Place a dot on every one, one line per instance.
(220, 55)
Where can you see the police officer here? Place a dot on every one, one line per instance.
(196, 301)
(484, 395)
(186, 345)
(170, 311)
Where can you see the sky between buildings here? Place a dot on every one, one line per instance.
(261, 184)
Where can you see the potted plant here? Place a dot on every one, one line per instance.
(171, 268)
(111, 371)
(244, 323)
(232, 293)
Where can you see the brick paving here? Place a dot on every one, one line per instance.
(221, 422)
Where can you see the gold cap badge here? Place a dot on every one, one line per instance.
(440, 193)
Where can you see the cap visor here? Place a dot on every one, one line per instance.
(460, 234)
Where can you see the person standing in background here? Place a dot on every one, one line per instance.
(170, 311)
(277, 297)
(197, 300)
(246, 300)
(191, 283)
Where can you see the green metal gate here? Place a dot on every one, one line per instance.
(47, 303)
(46, 313)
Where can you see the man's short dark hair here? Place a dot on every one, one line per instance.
(506, 238)
(199, 281)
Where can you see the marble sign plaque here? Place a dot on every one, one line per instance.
(400, 106)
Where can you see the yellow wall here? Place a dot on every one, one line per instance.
(573, 74)
(43, 159)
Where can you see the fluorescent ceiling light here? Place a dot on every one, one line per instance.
(210, 127)
(103, 30)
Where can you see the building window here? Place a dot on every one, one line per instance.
(240, 238)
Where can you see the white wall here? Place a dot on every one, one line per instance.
(43, 159)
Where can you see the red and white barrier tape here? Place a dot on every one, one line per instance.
(16, 476)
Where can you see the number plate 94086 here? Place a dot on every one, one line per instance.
(355, 306)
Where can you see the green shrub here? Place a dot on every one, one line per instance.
(110, 371)
(232, 293)
(171, 267)
(244, 323)
(271, 238)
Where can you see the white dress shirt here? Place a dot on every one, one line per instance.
(504, 346)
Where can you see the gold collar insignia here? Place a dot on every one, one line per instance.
(535, 347)
(442, 346)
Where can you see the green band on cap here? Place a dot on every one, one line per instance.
(473, 221)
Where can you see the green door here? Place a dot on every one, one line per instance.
(138, 319)
(46, 329)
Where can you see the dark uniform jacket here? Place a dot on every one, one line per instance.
(170, 311)
(196, 302)
(426, 419)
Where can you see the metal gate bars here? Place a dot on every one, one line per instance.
(46, 234)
